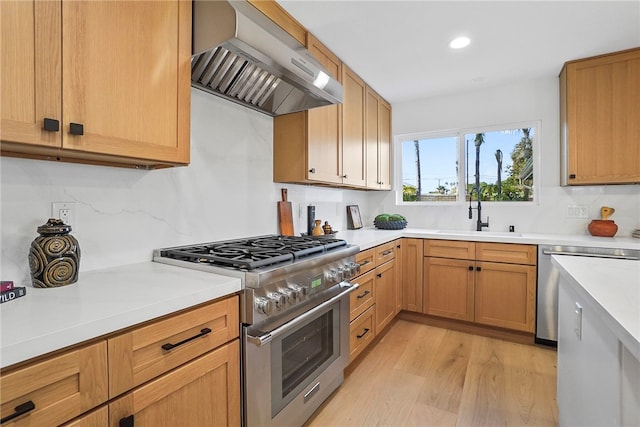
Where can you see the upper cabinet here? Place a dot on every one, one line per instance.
(600, 119)
(354, 149)
(280, 16)
(96, 82)
(378, 140)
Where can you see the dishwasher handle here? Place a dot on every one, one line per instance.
(631, 257)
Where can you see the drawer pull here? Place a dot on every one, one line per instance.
(365, 263)
(471, 268)
(21, 409)
(389, 252)
(366, 330)
(76, 128)
(363, 295)
(379, 275)
(169, 346)
(126, 422)
(51, 125)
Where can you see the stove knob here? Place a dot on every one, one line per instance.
(264, 305)
(332, 275)
(290, 295)
(301, 291)
(278, 299)
(342, 274)
(354, 267)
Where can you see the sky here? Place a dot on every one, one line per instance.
(438, 159)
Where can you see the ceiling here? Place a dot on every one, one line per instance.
(400, 48)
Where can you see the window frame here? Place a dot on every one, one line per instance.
(459, 133)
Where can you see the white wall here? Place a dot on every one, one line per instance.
(525, 101)
(123, 214)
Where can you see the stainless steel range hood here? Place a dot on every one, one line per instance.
(243, 56)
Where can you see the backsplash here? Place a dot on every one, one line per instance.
(123, 214)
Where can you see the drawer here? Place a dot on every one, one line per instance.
(456, 249)
(60, 388)
(361, 333)
(97, 418)
(362, 298)
(367, 260)
(506, 252)
(385, 252)
(142, 354)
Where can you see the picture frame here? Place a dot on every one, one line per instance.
(354, 221)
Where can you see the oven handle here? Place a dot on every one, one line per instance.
(266, 338)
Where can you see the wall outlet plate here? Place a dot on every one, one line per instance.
(578, 211)
(66, 211)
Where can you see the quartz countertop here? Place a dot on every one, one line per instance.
(612, 288)
(99, 303)
(367, 238)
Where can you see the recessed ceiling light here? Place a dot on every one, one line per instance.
(459, 42)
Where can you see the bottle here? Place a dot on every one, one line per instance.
(317, 230)
(311, 216)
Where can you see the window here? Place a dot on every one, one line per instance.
(495, 164)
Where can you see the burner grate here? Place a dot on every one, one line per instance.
(256, 252)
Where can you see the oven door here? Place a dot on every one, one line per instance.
(292, 369)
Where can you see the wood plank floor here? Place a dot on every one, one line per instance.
(419, 375)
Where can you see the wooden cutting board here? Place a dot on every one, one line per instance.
(285, 216)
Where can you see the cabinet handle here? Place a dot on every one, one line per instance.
(21, 409)
(312, 170)
(344, 176)
(572, 176)
(389, 252)
(169, 346)
(478, 268)
(364, 263)
(379, 275)
(363, 295)
(126, 422)
(398, 246)
(471, 268)
(366, 330)
(76, 128)
(51, 125)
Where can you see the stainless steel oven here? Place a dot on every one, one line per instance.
(295, 318)
(293, 367)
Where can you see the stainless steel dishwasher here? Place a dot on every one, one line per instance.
(547, 303)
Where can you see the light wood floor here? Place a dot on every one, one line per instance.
(419, 375)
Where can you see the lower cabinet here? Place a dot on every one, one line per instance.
(385, 285)
(203, 392)
(180, 370)
(411, 275)
(486, 283)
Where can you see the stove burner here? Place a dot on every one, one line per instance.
(255, 252)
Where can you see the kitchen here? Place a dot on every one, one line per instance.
(123, 214)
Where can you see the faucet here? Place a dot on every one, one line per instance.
(479, 223)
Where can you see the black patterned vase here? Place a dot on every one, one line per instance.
(54, 257)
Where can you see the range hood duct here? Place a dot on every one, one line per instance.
(241, 55)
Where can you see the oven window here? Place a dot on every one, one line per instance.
(306, 350)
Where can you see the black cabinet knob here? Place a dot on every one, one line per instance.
(572, 176)
(51, 125)
(312, 170)
(76, 128)
(471, 268)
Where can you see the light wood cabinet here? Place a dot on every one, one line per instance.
(412, 270)
(361, 332)
(363, 298)
(308, 144)
(486, 283)
(109, 92)
(57, 389)
(183, 369)
(600, 119)
(353, 141)
(378, 137)
(385, 286)
(203, 392)
(277, 14)
(149, 351)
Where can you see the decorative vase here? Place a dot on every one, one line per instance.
(603, 228)
(317, 230)
(54, 257)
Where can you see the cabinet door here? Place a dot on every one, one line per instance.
(204, 392)
(398, 278)
(449, 288)
(412, 275)
(324, 141)
(506, 295)
(126, 78)
(372, 137)
(364, 297)
(603, 119)
(384, 145)
(353, 141)
(385, 292)
(60, 388)
(361, 333)
(30, 33)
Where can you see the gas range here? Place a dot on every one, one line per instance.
(278, 273)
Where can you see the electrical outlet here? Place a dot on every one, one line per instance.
(66, 211)
(578, 211)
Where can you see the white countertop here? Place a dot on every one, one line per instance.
(369, 237)
(612, 288)
(108, 300)
(101, 302)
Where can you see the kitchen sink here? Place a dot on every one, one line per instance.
(480, 233)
